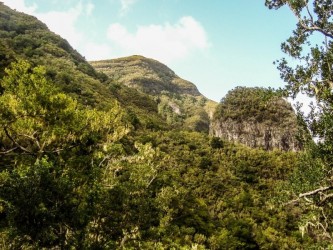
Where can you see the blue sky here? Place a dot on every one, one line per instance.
(216, 44)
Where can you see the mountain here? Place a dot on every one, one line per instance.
(25, 37)
(179, 101)
(87, 162)
(255, 117)
(153, 95)
(145, 74)
(258, 118)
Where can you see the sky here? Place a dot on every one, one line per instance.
(216, 44)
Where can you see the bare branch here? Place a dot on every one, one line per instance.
(32, 138)
(309, 12)
(326, 197)
(316, 191)
(8, 151)
(311, 193)
(151, 180)
(58, 150)
(103, 160)
(18, 145)
(315, 28)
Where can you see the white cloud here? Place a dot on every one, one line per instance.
(20, 5)
(163, 42)
(63, 23)
(94, 51)
(89, 9)
(125, 5)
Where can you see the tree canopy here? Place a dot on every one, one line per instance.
(311, 45)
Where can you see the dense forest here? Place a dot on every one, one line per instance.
(90, 162)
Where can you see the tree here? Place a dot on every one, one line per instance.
(52, 154)
(312, 45)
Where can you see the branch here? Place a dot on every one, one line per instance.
(326, 197)
(316, 191)
(151, 181)
(18, 145)
(309, 12)
(327, 81)
(32, 138)
(103, 160)
(310, 193)
(313, 27)
(8, 151)
(58, 150)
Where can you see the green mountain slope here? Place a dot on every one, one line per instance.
(145, 74)
(25, 37)
(179, 101)
(87, 162)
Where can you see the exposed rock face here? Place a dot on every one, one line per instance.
(257, 135)
(258, 118)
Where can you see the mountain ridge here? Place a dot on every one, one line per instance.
(152, 92)
(179, 101)
(136, 70)
(24, 37)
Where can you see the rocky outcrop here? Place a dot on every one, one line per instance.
(257, 135)
(258, 118)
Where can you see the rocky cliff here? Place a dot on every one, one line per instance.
(258, 118)
(254, 134)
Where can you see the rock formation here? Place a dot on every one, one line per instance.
(258, 118)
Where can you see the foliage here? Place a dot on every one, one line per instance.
(148, 75)
(75, 177)
(52, 150)
(178, 101)
(311, 45)
(256, 104)
(87, 164)
(257, 117)
(25, 37)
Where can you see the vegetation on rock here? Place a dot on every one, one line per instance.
(257, 117)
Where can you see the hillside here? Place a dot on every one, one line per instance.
(25, 37)
(87, 162)
(145, 74)
(179, 101)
